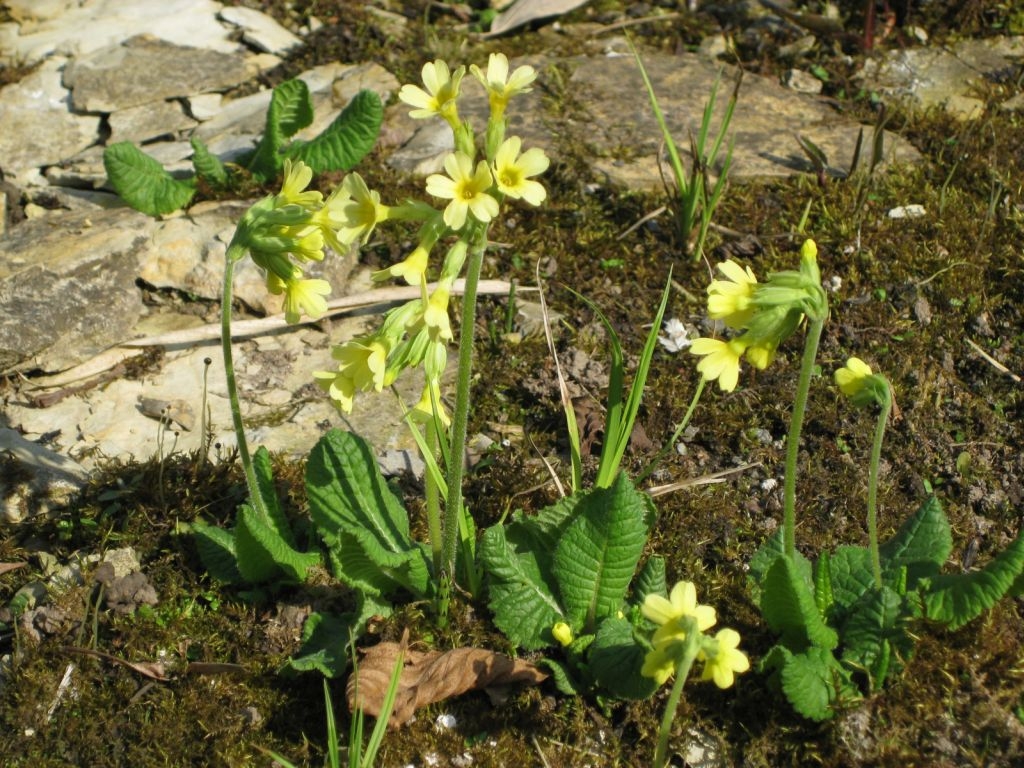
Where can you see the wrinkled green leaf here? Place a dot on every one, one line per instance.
(788, 606)
(851, 578)
(650, 580)
(955, 599)
(327, 637)
(348, 497)
(263, 554)
(208, 166)
(524, 607)
(564, 680)
(290, 110)
(597, 555)
(217, 551)
(346, 140)
(616, 659)
(264, 472)
(876, 626)
(922, 544)
(142, 182)
(813, 682)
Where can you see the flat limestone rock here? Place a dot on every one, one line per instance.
(260, 31)
(143, 70)
(148, 121)
(68, 287)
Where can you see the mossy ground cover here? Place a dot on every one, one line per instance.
(918, 297)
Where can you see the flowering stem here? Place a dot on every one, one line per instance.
(690, 646)
(460, 414)
(793, 438)
(876, 457)
(432, 496)
(256, 499)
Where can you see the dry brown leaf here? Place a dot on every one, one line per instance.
(5, 567)
(430, 676)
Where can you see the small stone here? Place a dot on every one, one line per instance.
(801, 82)
(912, 211)
(260, 31)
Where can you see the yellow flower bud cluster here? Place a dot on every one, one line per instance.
(764, 314)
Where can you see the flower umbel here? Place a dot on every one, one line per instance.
(512, 171)
(466, 188)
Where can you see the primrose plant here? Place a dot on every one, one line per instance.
(845, 622)
(360, 518)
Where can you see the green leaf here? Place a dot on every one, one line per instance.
(208, 166)
(762, 560)
(349, 497)
(922, 544)
(263, 554)
(217, 551)
(564, 680)
(823, 597)
(877, 625)
(327, 637)
(264, 472)
(346, 140)
(814, 682)
(351, 565)
(851, 578)
(597, 555)
(142, 182)
(290, 110)
(650, 580)
(524, 606)
(955, 599)
(788, 607)
(616, 659)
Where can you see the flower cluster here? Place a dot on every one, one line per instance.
(763, 314)
(474, 187)
(680, 617)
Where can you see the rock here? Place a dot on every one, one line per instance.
(38, 10)
(260, 31)
(36, 480)
(802, 82)
(40, 100)
(159, 70)
(148, 121)
(90, 26)
(55, 275)
(940, 77)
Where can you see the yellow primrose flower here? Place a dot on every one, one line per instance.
(721, 360)
(723, 660)
(307, 243)
(423, 411)
(852, 379)
(761, 355)
(300, 296)
(512, 171)
(500, 87)
(682, 601)
(660, 664)
(731, 300)
(364, 361)
(361, 211)
(413, 267)
(340, 387)
(466, 189)
(440, 96)
(297, 176)
(435, 316)
(562, 632)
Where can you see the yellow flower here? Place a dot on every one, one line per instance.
(413, 267)
(761, 355)
(340, 388)
(562, 632)
(500, 87)
(660, 664)
(436, 314)
(852, 379)
(440, 96)
(512, 171)
(682, 601)
(723, 659)
(364, 361)
(297, 176)
(299, 295)
(730, 300)
(721, 360)
(307, 243)
(423, 411)
(361, 211)
(466, 189)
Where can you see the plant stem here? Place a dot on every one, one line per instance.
(876, 457)
(793, 438)
(256, 499)
(460, 415)
(432, 497)
(686, 657)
